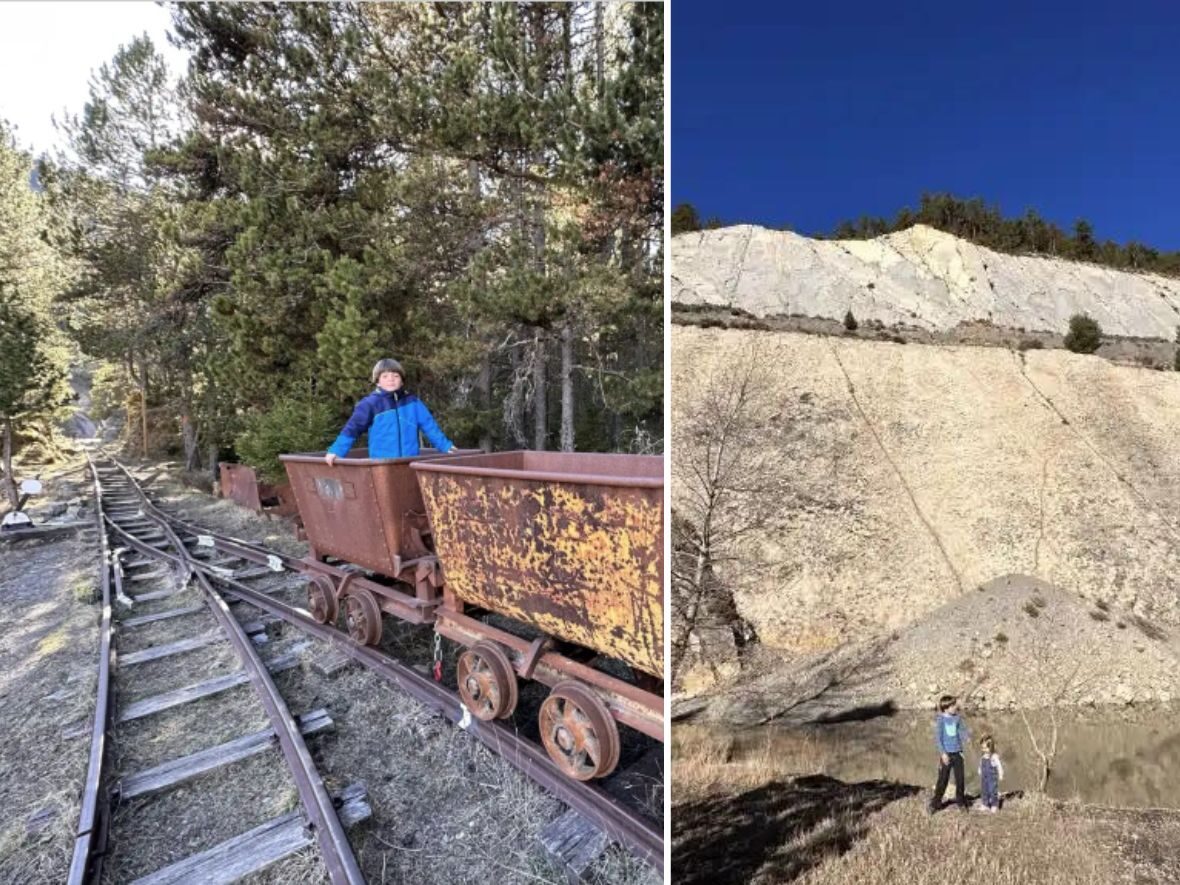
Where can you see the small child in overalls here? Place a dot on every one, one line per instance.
(991, 772)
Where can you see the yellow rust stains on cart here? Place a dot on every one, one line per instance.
(569, 543)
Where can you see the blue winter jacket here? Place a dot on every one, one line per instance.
(950, 733)
(392, 421)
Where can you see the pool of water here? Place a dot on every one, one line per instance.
(1127, 757)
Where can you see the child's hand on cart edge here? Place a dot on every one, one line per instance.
(330, 458)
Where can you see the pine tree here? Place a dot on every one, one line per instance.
(685, 219)
(1084, 335)
(475, 189)
(347, 349)
(33, 356)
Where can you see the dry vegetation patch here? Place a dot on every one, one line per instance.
(1035, 840)
(48, 673)
(770, 815)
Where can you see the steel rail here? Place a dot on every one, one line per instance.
(337, 853)
(80, 862)
(643, 836)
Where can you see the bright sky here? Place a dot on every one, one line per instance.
(48, 50)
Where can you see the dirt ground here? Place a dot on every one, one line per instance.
(816, 829)
(48, 675)
(445, 809)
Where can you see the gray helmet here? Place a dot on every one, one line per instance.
(387, 365)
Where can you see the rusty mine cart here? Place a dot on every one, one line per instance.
(565, 547)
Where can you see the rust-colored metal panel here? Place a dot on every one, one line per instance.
(367, 511)
(277, 500)
(239, 483)
(570, 543)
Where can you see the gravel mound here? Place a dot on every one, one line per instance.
(1018, 641)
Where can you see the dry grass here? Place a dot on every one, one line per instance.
(302, 868)
(706, 760)
(765, 816)
(150, 832)
(1033, 841)
(48, 662)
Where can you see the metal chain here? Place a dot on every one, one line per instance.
(437, 657)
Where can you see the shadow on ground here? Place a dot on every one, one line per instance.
(776, 832)
(858, 714)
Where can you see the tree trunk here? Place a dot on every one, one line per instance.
(485, 399)
(567, 387)
(599, 50)
(9, 480)
(214, 473)
(540, 392)
(143, 405)
(188, 435)
(514, 404)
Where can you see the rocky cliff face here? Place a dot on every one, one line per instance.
(912, 475)
(919, 277)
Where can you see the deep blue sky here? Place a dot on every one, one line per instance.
(807, 113)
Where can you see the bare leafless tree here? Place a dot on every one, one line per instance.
(1063, 681)
(724, 488)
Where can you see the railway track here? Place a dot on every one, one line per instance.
(123, 529)
(227, 568)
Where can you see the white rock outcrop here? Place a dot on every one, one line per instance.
(919, 277)
(906, 476)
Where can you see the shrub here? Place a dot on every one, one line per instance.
(1084, 334)
(86, 592)
(293, 424)
(1100, 616)
(1030, 344)
(1031, 610)
(1002, 638)
(850, 322)
(1038, 601)
(1103, 604)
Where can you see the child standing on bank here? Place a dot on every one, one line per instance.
(950, 736)
(991, 772)
(392, 417)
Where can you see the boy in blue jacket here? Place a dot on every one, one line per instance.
(950, 736)
(392, 417)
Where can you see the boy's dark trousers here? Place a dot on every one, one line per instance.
(944, 773)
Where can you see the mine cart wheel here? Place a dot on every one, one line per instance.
(363, 616)
(578, 732)
(487, 682)
(321, 599)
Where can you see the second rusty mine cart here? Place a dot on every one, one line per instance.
(570, 545)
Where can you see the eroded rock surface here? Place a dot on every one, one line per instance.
(919, 277)
(913, 475)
